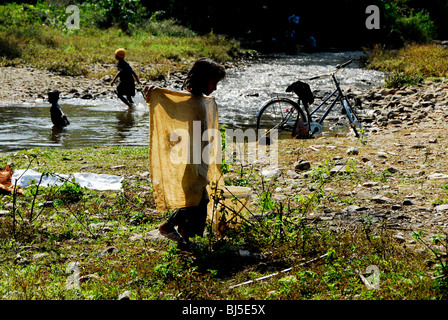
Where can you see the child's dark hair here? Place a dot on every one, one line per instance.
(202, 71)
(53, 95)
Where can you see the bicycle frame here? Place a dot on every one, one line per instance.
(315, 127)
(337, 91)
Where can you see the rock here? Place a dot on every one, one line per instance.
(399, 238)
(87, 96)
(104, 226)
(271, 173)
(292, 174)
(118, 167)
(437, 176)
(442, 208)
(339, 169)
(135, 237)
(125, 295)
(46, 204)
(88, 277)
(41, 255)
(11, 294)
(352, 151)
(381, 199)
(428, 96)
(392, 170)
(381, 155)
(432, 140)
(4, 213)
(370, 184)
(353, 209)
(154, 235)
(109, 250)
(88, 167)
(21, 260)
(302, 165)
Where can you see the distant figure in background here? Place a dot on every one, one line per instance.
(58, 117)
(293, 24)
(127, 75)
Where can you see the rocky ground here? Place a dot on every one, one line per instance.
(26, 84)
(399, 176)
(397, 179)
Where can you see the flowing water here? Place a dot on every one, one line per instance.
(239, 95)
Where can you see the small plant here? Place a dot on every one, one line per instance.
(70, 192)
(400, 79)
(441, 257)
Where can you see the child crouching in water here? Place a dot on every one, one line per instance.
(58, 117)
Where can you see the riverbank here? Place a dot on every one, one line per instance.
(378, 201)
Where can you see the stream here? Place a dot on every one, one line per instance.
(239, 95)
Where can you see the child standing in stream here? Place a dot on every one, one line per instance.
(127, 75)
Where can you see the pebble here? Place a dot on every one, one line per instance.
(381, 199)
(302, 165)
(352, 151)
(126, 295)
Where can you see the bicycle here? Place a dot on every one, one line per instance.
(284, 114)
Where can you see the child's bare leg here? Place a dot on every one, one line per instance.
(122, 98)
(131, 103)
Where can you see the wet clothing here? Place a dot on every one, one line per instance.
(127, 85)
(58, 118)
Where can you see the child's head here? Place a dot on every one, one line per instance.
(120, 53)
(204, 76)
(53, 96)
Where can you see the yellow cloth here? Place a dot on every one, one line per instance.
(179, 144)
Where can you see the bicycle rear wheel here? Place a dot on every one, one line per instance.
(353, 118)
(280, 114)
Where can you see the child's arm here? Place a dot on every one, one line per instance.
(135, 76)
(115, 78)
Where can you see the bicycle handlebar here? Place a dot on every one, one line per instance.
(340, 66)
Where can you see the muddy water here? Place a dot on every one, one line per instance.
(239, 95)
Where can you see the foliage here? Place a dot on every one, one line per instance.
(36, 35)
(410, 26)
(410, 64)
(398, 80)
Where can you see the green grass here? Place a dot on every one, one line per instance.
(76, 53)
(410, 64)
(286, 236)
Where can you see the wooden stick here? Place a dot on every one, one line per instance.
(276, 273)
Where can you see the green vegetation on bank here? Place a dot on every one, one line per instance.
(411, 64)
(37, 36)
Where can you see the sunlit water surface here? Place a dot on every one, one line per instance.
(239, 95)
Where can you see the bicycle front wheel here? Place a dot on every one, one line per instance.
(281, 114)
